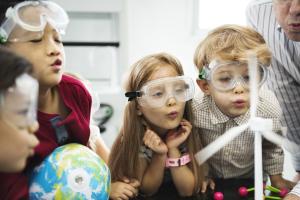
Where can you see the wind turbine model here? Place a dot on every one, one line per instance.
(260, 127)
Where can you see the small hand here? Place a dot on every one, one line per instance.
(176, 137)
(122, 191)
(279, 182)
(154, 142)
(133, 182)
(208, 182)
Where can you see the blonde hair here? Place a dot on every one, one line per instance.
(231, 43)
(124, 156)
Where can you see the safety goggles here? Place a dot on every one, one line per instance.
(19, 103)
(27, 20)
(156, 93)
(225, 76)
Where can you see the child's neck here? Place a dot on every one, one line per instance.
(46, 99)
(160, 131)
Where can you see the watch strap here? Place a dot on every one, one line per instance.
(177, 162)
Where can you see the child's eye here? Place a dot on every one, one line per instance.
(157, 94)
(22, 127)
(58, 40)
(23, 112)
(36, 40)
(225, 79)
(180, 90)
(246, 78)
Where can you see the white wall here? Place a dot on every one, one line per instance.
(155, 26)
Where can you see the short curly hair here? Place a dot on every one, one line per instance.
(231, 43)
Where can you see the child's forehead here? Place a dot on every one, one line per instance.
(33, 12)
(169, 81)
(17, 31)
(163, 71)
(226, 64)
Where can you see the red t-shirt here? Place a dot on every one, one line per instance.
(78, 101)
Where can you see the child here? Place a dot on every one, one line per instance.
(156, 144)
(17, 112)
(33, 30)
(223, 77)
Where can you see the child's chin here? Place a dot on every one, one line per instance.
(171, 126)
(237, 114)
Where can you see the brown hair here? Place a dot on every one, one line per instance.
(11, 66)
(231, 43)
(124, 157)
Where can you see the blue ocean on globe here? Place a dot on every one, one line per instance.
(72, 171)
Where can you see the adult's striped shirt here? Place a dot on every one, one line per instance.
(284, 74)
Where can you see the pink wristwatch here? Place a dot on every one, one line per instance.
(176, 162)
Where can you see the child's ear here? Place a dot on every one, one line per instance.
(203, 85)
(138, 110)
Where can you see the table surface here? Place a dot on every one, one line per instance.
(229, 188)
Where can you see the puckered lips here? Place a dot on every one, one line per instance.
(56, 65)
(173, 115)
(239, 103)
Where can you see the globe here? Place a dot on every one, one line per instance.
(72, 171)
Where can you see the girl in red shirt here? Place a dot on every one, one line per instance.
(33, 30)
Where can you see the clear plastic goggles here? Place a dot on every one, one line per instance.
(156, 93)
(27, 20)
(225, 76)
(19, 103)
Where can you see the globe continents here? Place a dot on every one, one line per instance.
(72, 171)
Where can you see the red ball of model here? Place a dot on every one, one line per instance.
(218, 196)
(243, 191)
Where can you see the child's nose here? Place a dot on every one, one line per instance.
(171, 101)
(33, 127)
(53, 49)
(239, 88)
(33, 141)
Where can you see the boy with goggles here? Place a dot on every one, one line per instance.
(221, 59)
(18, 98)
(156, 93)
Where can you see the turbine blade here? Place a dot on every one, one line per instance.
(219, 143)
(273, 137)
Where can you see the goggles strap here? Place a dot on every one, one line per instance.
(202, 74)
(3, 40)
(133, 95)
